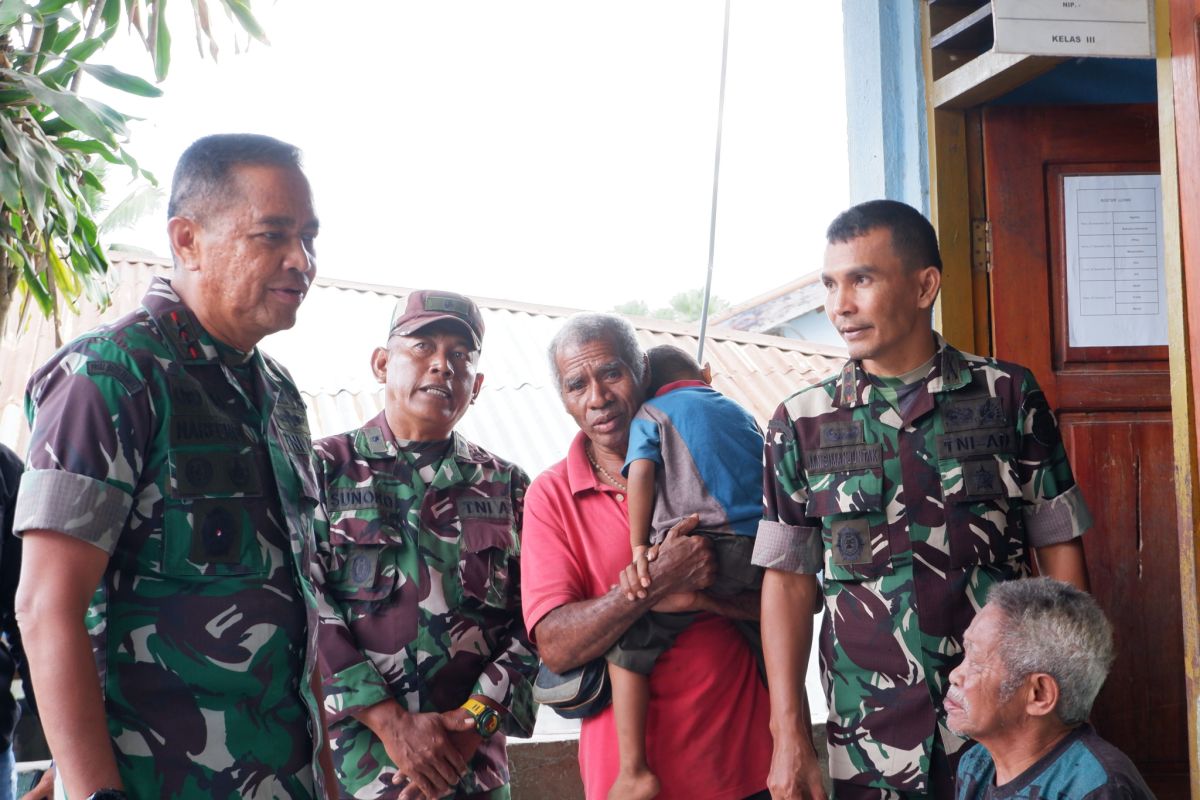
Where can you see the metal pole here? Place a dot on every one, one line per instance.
(712, 225)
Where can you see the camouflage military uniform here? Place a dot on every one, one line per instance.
(418, 564)
(187, 462)
(912, 517)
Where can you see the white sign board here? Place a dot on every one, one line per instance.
(1112, 28)
(1116, 289)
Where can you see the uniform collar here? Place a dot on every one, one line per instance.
(376, 440)
(179, 326)
(949, 372)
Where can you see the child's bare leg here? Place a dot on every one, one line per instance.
(631, 697)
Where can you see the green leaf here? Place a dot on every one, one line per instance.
(48, 7)
(111, 15)
(10, 185)
(32, 283)
(111, 76)
(67, 281)
(31, 188)
(18, 259)
(133, 207)
(10, 97)
(74, 110)
(162, 41)
(89, 179)
(84, 50)
(241, 10)
(62, 39)
(89, 146)
(10, 12)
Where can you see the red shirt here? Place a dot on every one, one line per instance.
(707, 729)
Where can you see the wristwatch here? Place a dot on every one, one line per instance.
(107, 794)
(487, 719)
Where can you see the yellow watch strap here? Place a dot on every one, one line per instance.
(474, 707)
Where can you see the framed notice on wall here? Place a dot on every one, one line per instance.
(1116, 295)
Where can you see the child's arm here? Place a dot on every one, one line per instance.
(641, 512)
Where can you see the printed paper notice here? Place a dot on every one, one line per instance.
(1116, 295)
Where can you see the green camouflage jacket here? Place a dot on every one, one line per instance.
(912, 518)
(418, 566)
(188, 463)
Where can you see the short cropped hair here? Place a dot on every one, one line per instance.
(1052, 627)
(668, 364)
(204, 168)
(913, 238)
(590, 326)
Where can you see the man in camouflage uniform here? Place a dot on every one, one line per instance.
(423, 650)
(170, 497)
(915, 478)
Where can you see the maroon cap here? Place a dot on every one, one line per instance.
(426, 306)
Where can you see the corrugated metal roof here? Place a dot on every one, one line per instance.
(518, 414)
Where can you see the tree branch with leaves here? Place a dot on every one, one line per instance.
(53, 139)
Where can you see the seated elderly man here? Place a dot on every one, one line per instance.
(707, 728)
(422, 646)
(1035, 658)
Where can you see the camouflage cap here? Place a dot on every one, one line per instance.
(427, 306)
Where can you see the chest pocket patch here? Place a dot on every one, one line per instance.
(487, 546)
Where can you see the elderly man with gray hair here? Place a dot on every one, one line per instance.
(707, 731)
(1035, 658)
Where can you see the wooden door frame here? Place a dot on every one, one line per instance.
(964, 322)
(1181, 277)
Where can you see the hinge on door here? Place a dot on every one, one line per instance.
(981, 245)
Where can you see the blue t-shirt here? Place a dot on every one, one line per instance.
(1080, 767)
(709, 454)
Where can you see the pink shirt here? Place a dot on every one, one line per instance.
(707, 729)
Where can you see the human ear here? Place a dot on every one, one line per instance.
(477, 387)
(379, 358)
(929, 283)
(183, 233)
(1041, 694)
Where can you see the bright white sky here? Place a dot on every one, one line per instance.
(546, 151)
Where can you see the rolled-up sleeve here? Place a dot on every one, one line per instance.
(90, 415)
(1057, 520)
(1054, 510)
(788, 540)
(788, 548)
(77, 505)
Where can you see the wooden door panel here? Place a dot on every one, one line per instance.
(1132, 555)
(1113, 404)
(1023, 149)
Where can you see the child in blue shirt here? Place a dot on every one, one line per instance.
(691, 451)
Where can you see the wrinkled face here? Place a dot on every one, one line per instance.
(430, 379)
(880, 307)
(974, 704)
(600, 392)
(249, 254)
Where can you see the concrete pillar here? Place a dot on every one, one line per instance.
(885, 101)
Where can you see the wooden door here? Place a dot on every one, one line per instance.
(1112, 404)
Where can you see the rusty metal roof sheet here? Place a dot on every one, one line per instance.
(518, 414)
